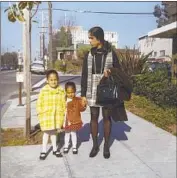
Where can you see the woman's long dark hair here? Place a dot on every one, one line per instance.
(98, 33)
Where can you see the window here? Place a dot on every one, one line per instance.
(162, 53)
(155, 54)
(112, 35)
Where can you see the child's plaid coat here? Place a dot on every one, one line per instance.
(51, 106)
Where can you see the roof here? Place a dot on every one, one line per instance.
(167, 31)
(142, 37)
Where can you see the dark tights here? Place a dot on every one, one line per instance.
(94, 124)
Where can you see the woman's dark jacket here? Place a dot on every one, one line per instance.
(118, 112)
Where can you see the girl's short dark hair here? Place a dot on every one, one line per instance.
(52, 71)
(98, 33)
(70, 84)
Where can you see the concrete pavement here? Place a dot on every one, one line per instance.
(138, 150)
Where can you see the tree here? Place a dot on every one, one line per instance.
(9, 59)
(82, 50)
(67, 22)
(62, 38)
(161, 14)
(15, 12)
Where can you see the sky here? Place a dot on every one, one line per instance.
(128, 27)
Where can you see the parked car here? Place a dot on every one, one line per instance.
(38, 68)
(153, 66)
(5, 67)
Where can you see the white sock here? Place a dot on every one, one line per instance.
(54, 142)
(44, 142)
(67, 138)
(74, 139)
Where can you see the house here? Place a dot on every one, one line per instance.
(160, 47)
(65, 52)
(169, 30)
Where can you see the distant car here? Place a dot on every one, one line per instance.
(4, 68)
(38, 68)
(153, 66)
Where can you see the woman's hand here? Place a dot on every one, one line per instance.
(107, 72)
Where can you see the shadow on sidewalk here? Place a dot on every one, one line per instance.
(117, 132)
(84, 133)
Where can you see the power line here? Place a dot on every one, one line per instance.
(96, 12)
(101, 12)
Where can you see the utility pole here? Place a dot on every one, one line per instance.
(50, 34)
(27, 60)
(24, 51)
(0, 40)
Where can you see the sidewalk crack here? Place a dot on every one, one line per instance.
(68, 168)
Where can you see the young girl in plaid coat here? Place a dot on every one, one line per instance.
(51, 106)
(73, 122)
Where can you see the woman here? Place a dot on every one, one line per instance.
(101, 60)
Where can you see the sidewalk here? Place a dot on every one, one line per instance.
(138, 150)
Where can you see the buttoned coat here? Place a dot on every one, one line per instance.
(51, 107)
(74, 109)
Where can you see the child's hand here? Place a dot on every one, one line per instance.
(84, 103)
(60, 130)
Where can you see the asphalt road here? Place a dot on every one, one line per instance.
(9, 86)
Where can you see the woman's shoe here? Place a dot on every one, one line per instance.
(106, 152)
(43, 156)
(94, 151)
(57, 154)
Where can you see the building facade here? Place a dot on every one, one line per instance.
(161, 47)
(169, 29)
(80, 36)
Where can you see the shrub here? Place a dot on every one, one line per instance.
(164, 118)
(72, 66)
(59, 66)
(132, 62)
(82, 50)
(156, 87)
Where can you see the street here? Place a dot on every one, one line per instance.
(9, 86)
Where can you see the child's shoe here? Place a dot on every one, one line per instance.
(65, 150)
(57, 154)
(75, 151)
(43, 156)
